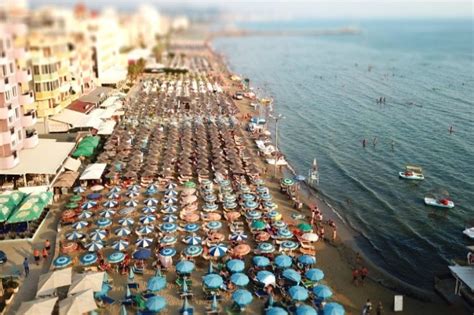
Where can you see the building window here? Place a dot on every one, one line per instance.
(38, 87)
(19, 134)
(11, 67)
(17, 113)
(14, 91)
(36, 70)
(4, 70)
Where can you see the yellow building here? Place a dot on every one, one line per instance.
(50, 58)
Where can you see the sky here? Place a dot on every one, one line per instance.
(287, 9)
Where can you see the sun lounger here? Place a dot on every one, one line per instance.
(133, 285)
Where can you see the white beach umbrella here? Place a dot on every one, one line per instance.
(38, 306)
(80, 303)
(48, 282)
(85, 281)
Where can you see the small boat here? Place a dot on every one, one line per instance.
(469, 232)
(439, 202)
(412, 172)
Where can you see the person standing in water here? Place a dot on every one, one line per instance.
(364, 143)
(393, 145)
(451, 130)
(374, 142)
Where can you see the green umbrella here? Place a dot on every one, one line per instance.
(305, 227)
(287, 181)
(71, 205)
(190, 184)
(258, 225)
(75, 198)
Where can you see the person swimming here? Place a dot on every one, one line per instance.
(364, 143)
(374, 142)
(451, 130)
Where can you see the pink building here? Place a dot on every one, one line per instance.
(16, 125)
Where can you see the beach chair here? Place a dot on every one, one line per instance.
(179, 282)
(133, 285)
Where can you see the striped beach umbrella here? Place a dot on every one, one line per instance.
(244, 188)
(224, 182)
(169, 208)
(218, 250)
(78, 190)
(115, 189)
(287, 182)
(266, 248)
(94, 246)
(134, 187)
(238, 237)
(248, 197)
(185, 266)
(71, 205)
(284, 233)
(235, 265)
(270, 205)
(262, 190)
(171, 193)
(266, 197)
(260, 261)
(209, 207)
(170, 200)
(62, 261)
(132, 194)
(214, 225)
(152, 188)
(103, 222)
(250, 205)
(98, 235)
(88, 259)
(212, 281)
(193, 250)
(283, 261)
(110, 204)
(168, 252)
(280, 224)
(239, 279)
(147, 218)
(230, 198)
(80, 224)
(144, 242)
(168, 227)
(120, 245)
(74, 236)
(145, 229)
(230, 205)
(89, 204)
(209, 198)
(150, 201)
(253, 214)
(274, 215)
(116, 257)
(126, 221)
(292, 275)
(191, 227)
(75, 198)
(170, 186)
(192, 240)
(107, 213)
(131, 203)
(170, 218)
(314, 274)
(289, 245)
(168, 240)
(149, 209)
(298, 293)
(85, 215)
(126, 211)
(242, 297)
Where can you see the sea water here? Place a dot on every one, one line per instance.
(327, 87)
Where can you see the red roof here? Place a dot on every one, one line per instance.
(82, 107)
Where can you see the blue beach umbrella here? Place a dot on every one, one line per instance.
(89, 204)
(94, 196)
(62, 261)
(156, 283)
(150, 202)
(169, 208)
(132, 194)
(168, 227)
(244, 188)
(78, 190)
(152, 188)
(273, 214)
(247, 197)
(94, 246)
(107, 213)
(250, 205)
(275, 310)
(110, 204)
(242, 297)
(170, 218)
(88, 259)
(280, 224)
(305, 310)
(126, 221)
(322, 291)
(85, 215)
(289, 245)
(283, 261)
(143, 242)
(261, 261)
(192, 240)
(239, 279)
(284, 233)
(170, 199)
(230, 205)
(120, 245)
(212, 281)
(115, 189)
(168, 240)
(270, 205)
(155, 303)
(131, 203)
(149, 209)
(262, 190)
(218, 250)
(145, 229)
(235, 265)
(116, 257)
(238, 237)
(298, 293)
(314, 274)
(126, 211)
(253, 214)
(122, 231)
(168, 252)
(80, 224)
(171, 193)
(103, 222)
(193, 250)
(229, 198)
(142, 254)
(209, 207)
(266, 277)
(74, 236)
(224, 182)
(185, 266)
(292, 275)
(134, 187)
(170, 186)
(113, 195)
(333, 309)
(306, 259)
(266, 197)
(98, 235)
(214, 225)
(266, 247)
(210, 198)
(147, 218)
(191, 227)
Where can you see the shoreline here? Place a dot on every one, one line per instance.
(351, 241)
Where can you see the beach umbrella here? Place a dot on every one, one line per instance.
(274, 215)
(170, 186)
(210, 198)
(126, 211)
(145, 229)
(143, 242)
(80, 224)
(284, 233)
(149, 209)
(298, 293)
(305, 310)
(270, 205)
(126, 221)
(150, 202)
(333, 309)
(280, 224)
(71, 205)
(184, 267)
(85, 215)
(188, 199)
(168, 252)
(110, 204)
(266, 247)
(275, 310)
(156, 283)
(314, 274)
(152, 188)
(170, 218)
(189, 184)
(253, 214)
(75, 198)
(122, 231)
(209, 207)
(266, 277)
(170, 200)
(193, 250)
(250, 205)
(248, 197)
(116, 257)
(306, 259)
(74, 236)
(107, 213)
(148, 218)
(155, 303)
(134, 187)
(103, 222)
(322, 291)
(88, 259)
(287, 182)
(266, 197)
(238, 237)
(89, 204)
(310, 237)
(262, 189)
(94, 196)
(229, 198)
(283, 261)
(218, 250)
(242, 297)
(305, 227)
(120, 245)
(131, 203)
(142, 254)
(168, 239)
(244, 188)
(98, 235)
(168, 227)
(289, 245)
(94, 246)
(132, 194)
(258, 225)
(191, 227)
(239, 279)
(230, 205)
(213, 281)
(235, 265)
(192, 240)
(171, 193)
(241, 250)
(78, 190)
(260, 261)
(224, 182)
(115, 189)
(169, 208)
(62, 261)
(292, 275)
(214, 225)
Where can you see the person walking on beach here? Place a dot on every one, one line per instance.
(363, 274)
(47, 245)
(334, 233)
(26, 266)
(379, 309)
(355, 276)
(45, 253)
(36, 255)
(367, 308)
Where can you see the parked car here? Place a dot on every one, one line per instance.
(3, 257)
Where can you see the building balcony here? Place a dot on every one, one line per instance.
(4, 84)
(6, 112)
(10, 161)
(46, 77)
(3, 58)
(29, 119)
(26, 98)
(24, 75)
(47, 95)
(31, 139)
(20, 53)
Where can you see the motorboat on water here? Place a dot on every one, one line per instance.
(439, 202)
(469, 232)
(412, 172)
